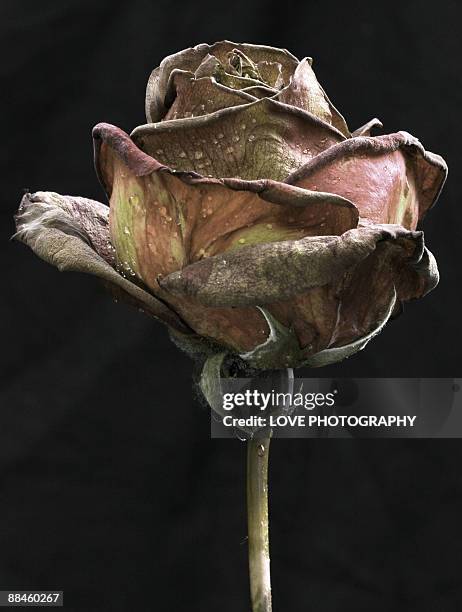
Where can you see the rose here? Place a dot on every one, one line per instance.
(245, 215)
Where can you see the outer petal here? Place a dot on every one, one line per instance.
(391, 179)
(72, 234)
(331, 294)
(268, 273)
(338, 314)
(263, 139)
(367, 291)
(157, 91)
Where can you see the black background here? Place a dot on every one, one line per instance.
(110, 487)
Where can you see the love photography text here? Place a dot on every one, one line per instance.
(256, 409)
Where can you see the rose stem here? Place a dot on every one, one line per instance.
(257, 517)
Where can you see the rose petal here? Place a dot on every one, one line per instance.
(237, 329)
(338, 313)
(263, 139)
(74, 216)
(191, 58)
(208, 67)
(72, 234)
(391, 179)
(260, 91)
(311, 315)
(305, 92)
(268, 273)
(271, 73)
(333, 355)
(338, 120)
(366, 291)
(195, 97)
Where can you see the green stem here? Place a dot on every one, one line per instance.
(257, 516)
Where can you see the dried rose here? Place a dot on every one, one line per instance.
(245, 215)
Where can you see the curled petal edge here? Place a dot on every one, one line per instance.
(365, 130)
